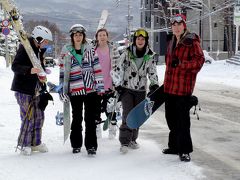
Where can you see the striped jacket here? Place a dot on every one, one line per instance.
(85, 77)
(180, 80)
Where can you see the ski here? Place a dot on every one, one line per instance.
(16, 22)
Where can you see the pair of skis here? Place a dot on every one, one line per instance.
(16, 22)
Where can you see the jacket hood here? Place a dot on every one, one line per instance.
(189, 38)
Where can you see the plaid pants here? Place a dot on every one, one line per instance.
(32, 120)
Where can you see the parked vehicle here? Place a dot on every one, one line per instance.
(49, 62)
(208, 59)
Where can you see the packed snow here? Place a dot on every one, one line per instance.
(59, 163)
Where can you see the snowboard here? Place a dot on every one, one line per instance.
(62, 118)
(111, 108)
(140, 113)
(103, 19)
(16, 22)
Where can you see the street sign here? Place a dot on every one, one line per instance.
(6, 31)
(5, 23)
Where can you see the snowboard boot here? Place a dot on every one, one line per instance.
(185, 157)
(133, 145)
(123, 149)
(26, 151)
(112, 130)
(40, 148)
(91, 151)
(76, 150)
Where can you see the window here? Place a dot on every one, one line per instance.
(157, 39)
(155, 4)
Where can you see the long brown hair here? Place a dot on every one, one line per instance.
(100, 30)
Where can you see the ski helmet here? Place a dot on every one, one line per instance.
(77, 28)
(40, 33)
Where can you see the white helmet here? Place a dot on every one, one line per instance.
(77, 28)
(42, 32)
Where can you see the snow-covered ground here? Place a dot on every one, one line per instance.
(59, 163)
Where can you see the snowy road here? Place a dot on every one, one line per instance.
(215, 136)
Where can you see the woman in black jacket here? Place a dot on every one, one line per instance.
(27, 88)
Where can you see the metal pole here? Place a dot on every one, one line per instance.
(152, 33)
(237, 31)
(210, 27)
(55, 44)
(6, 45)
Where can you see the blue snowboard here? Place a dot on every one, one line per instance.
(140, 113)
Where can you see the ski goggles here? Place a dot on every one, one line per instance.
(177, 19)
(77, 29)
(141, 33)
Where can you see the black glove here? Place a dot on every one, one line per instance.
(175, 62)
(44, 98)
(152, 88)
(193, 101)
(120, 89)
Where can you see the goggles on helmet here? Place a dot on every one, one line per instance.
(177, 19)
(77, 29)
(141, 32)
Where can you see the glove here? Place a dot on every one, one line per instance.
(120, 89)
(175, 62)
(44, 98)
(64, 97)
(152, 88)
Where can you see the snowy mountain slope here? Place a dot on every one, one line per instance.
(65, 13)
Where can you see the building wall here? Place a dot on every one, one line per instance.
(200, 27)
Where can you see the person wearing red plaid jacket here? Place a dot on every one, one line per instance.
(184, 59)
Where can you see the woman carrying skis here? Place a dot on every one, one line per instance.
(106, 53)
(184, 59)
(130, 74)
(29, 91)
(85, 82)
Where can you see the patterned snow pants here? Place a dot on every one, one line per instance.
(32, 120)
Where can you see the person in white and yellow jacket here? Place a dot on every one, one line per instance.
(130, 78)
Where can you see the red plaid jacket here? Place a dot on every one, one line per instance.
(180, 80)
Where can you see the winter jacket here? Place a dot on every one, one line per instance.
(85, 77)
(183, 62)
(128, 75)
(113, 53)
(24, 81)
